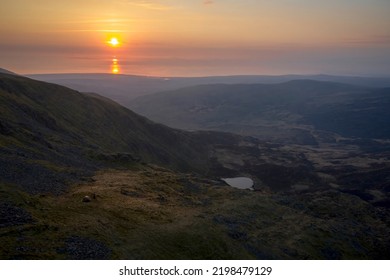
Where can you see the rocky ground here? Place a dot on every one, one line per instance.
(149, 212)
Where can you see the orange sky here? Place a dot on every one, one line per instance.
(196, 37)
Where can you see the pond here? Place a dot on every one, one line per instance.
(243, 183)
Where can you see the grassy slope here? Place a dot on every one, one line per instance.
(99, 122)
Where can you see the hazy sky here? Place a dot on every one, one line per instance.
(196, 37)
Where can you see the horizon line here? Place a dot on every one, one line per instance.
(207, 76)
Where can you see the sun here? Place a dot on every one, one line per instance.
(113, 42)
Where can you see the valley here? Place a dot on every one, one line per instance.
(340, 132)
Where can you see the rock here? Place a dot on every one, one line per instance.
(87, 198)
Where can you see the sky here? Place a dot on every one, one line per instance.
(196, 37)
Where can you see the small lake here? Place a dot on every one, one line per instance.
(243, 183)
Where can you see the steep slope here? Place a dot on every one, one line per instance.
(47, 130)
(289, 110)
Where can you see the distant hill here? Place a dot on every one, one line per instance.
(124, 88)
(292, 110)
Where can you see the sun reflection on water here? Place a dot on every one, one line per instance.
(115, 69)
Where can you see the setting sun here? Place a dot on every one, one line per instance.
(114, 42)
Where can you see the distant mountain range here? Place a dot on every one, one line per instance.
(292, 111)
(124, 88)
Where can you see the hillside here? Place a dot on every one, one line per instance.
(293, 111)
(53, 135)
(47, 128)
(82, 177)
